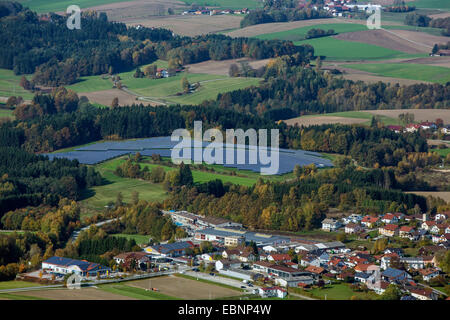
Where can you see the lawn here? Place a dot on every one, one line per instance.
(4, 285)
(139, 238)
(9, 85)
(338, 292)
(61, 5)
(442, 152)
(336, 49)
(406, 71)
(97, 197)
(199, 176)
(6, 113)
(132, 292)
(300, 33)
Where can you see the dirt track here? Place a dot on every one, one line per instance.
(222, 67)
(185, 288)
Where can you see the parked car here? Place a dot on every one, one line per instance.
(243, 287)
(212, 274)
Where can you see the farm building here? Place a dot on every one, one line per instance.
(170, 249)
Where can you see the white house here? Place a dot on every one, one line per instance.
(268, 292)
(330, 224)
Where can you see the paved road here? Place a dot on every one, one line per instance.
(76, 233)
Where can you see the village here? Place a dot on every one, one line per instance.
(270, 265)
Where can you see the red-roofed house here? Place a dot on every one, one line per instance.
(315, 270)
(352, 228)
(428, 274)
(427, 225)
(279, 257)
(389, 230)
(389, 218)
(369, 221)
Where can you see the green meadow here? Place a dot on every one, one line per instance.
(227, 4)
(432, 4)
(41, 6)
(133, 292)
(6, 113)
(336, 49)
(9, 85)
(13, 284)
(140, 239)
(299, 34)
(406, 71)
(358, 115)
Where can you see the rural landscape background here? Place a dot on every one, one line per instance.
(374, 103)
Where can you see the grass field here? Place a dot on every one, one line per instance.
(4, 285)
(6, 113)
(140, 239)
(165, 89)
(432, 4)
(134, 292)
(9, 85)
(339, 292)
(61, 5)
(406, 71)
(97, 197)
(355, 115)
(300, 33)
(442, 152)
(199, 176)
(227, 4)
(336, 49)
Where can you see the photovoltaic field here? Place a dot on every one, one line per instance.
(102, 151)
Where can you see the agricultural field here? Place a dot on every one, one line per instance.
(6, 113)
(13, 284)
(444, 195)
(133, 292)
(176, 287)
(227, 4)
(67, 294)
(9, 85)
(61, 5)
(427, 73)
(419, 114)
(97, 197)
(349, 117)
(99, 89)
(299, 34)
(336, 49)
(432, 4)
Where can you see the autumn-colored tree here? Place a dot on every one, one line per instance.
(115, 102)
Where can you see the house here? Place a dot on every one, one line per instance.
(247, 256)
(413, 262)
(441, 216)
(427, 225)
(438, 228)
(369, 221)
(268, 292)
(353, 228)
(82, 268)
(423, 294)
(389, 230)
(207, 257)
(428, 125)
(310, 260)
(397, 251)
(232, 254)
(365, 267)
(406, 232)
(396, 129)
(140, 258)
(362, 277)
(279, 257)
(389, 218)
(355, 218)
(330, 224)
(436, 238)
(227, 264)
(412, 127)
(392, 275)
(175, 249)
(315, 270)
(428, 274)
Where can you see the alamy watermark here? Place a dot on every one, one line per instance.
(374, 20)
(230, 151)
(74, 20)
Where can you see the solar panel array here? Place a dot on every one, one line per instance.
(103, 151)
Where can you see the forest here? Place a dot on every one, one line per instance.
(45, 47)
